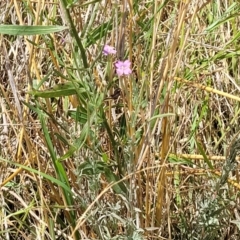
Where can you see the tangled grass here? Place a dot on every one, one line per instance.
(87, 154)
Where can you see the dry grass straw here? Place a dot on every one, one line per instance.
(29, 146)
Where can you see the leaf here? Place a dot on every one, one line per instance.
(80, 115)
(22, 30)
(85, 132)
(172, 158)
(92, 168)
(59, 90)
(206, 160)
(225, 17)
(42, 174)
(59, 168)
(98, 33)
(111, 177)
(162, 116)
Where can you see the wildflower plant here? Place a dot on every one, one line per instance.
(123, 68)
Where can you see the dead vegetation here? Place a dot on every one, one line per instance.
(156, 161)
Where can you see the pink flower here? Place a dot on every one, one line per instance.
(108, 50)
(123, 67)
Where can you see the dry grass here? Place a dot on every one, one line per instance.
(158, 162)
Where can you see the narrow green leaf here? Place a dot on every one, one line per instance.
(79, 142)
(44, 175)
(22, 30)
(59, 90)
(119, 188)
(74, 33)
(59, 168)
(80, 115)
(206, 160)
(225, 17)
(98, 33)
(162, 116)
(51, 228)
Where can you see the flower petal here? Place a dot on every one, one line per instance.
(127, 71)
(118, 63)
(127, 63)
(108, 50)
(119, 71)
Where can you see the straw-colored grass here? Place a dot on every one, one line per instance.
(158, 159)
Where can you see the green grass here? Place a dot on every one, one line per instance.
(158, 161)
